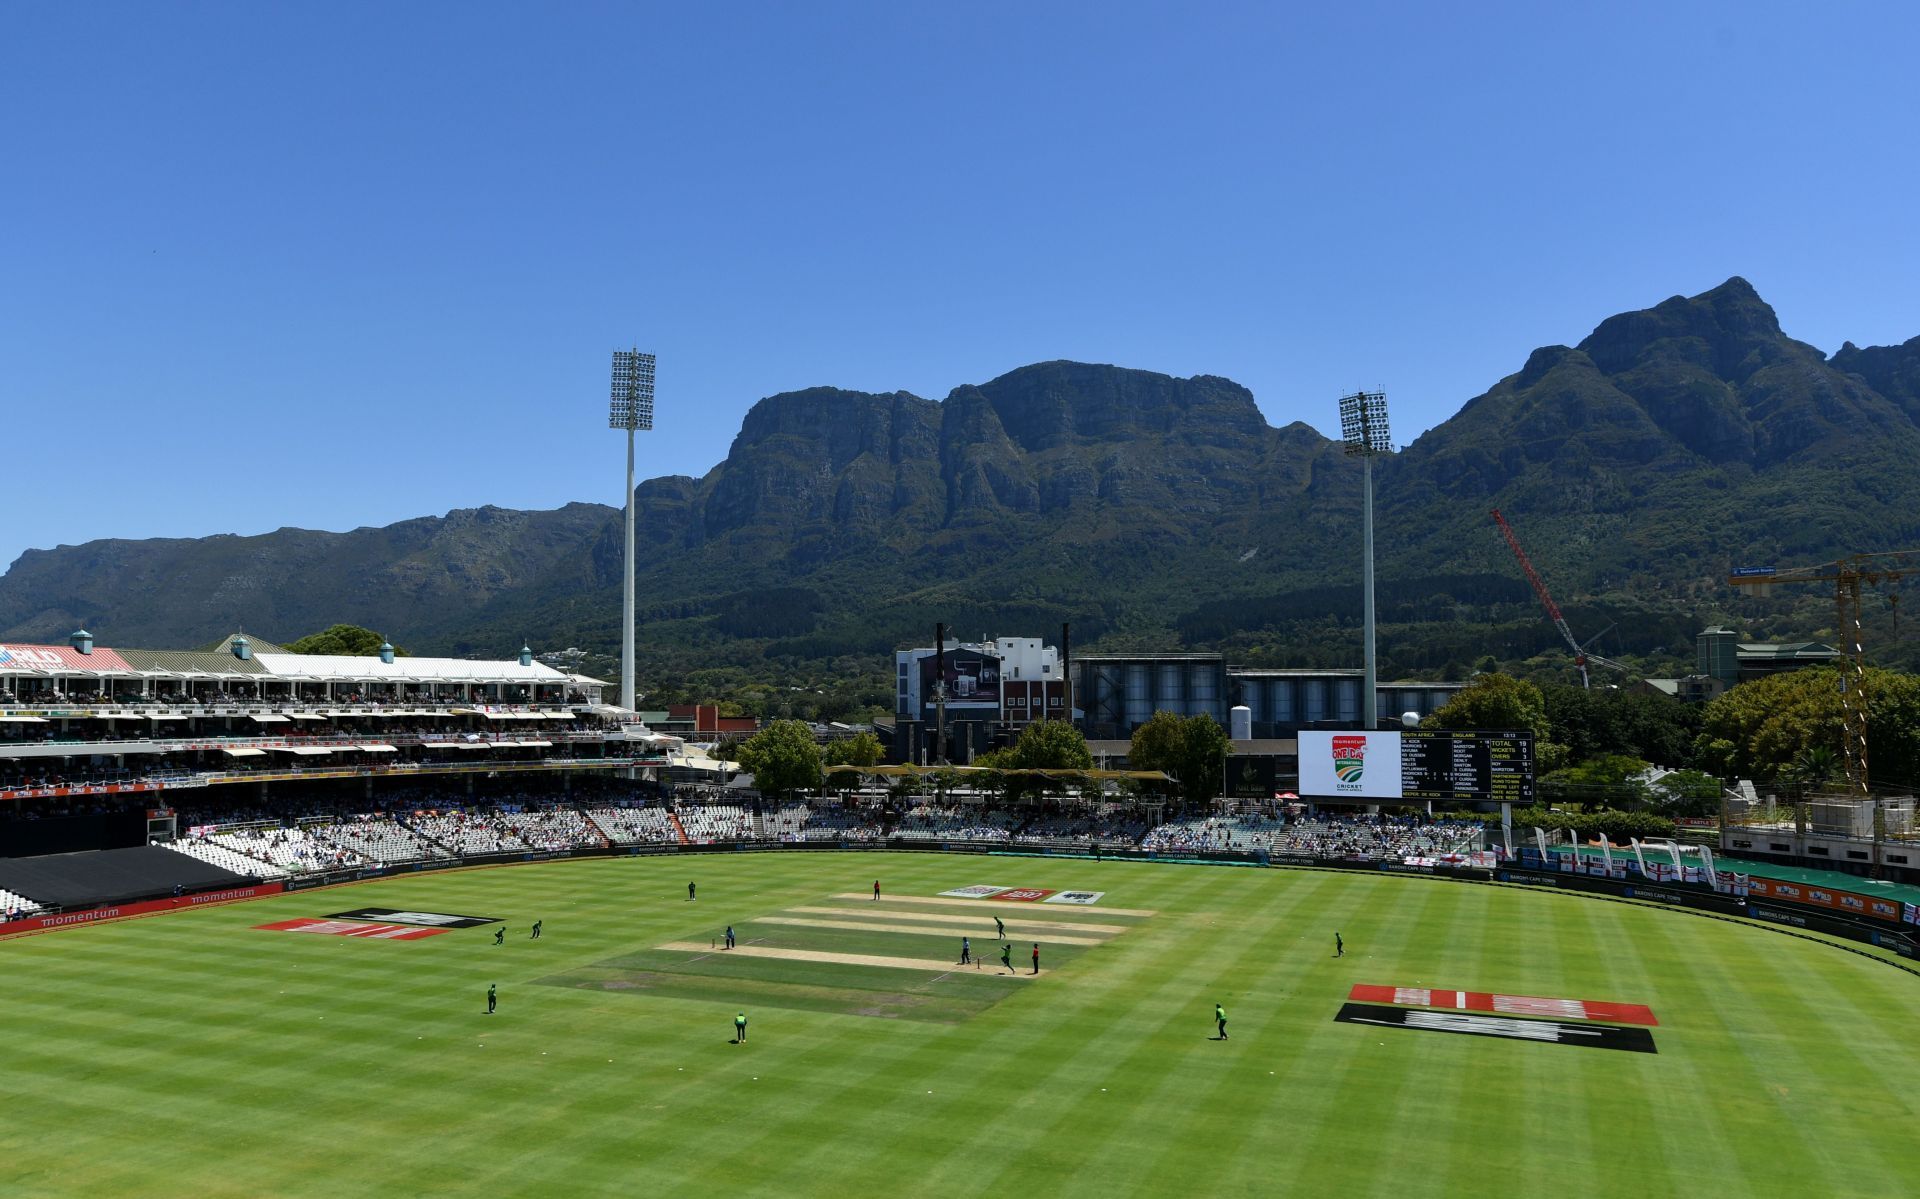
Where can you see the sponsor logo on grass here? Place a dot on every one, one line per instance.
(1081, 897)
(1022, 894)
(1505, 1005)
(978, 891)
(1595, 1036)
(425, 919)
(353, 928)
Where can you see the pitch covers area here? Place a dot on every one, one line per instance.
(1450, 1051)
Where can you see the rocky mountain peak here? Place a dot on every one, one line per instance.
(1058, 403)
(1729, 331)
(1667, 442)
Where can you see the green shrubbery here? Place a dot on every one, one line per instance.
(1617, 826)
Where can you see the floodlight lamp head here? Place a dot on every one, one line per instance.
(631, 404)
(1363, 423)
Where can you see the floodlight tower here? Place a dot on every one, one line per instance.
(1363, 427)
(631, 409)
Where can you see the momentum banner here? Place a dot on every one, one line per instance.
(35, 924)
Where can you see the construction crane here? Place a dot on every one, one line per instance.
(1850, 577)
(1581, 657)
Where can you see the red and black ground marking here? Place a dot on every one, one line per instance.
(423, 919)
(1504, 1005)
(353, 928)
(1553, 1032)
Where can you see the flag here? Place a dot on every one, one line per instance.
(1606, 854)
(1679, 867)
(1641, 858)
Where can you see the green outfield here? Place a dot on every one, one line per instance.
(197, 1054)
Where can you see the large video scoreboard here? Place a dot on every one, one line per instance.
(1466, 764)
(1469, 765)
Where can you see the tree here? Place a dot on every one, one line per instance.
(1494, 701)
(861, 749)
(1042, 745)
(1591, 723)
(1193, 749)
(1609, 780)
(1814, 766)
(1575, 720)
(1498, 701)
(1050, 745)
(783, 758)
(1759, 729)
(349, 640)
(1687, 793)
(1893, 728)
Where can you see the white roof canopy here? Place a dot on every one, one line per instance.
(343, 668)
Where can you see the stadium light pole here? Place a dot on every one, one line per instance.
(630, 408)
(1363, 427)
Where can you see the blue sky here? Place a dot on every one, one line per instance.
(344, 264)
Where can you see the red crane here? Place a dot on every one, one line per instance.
(1580, 655)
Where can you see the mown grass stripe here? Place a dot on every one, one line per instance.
(1781, 1060)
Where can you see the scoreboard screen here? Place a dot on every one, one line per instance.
(1470, 765)
(1467, 764)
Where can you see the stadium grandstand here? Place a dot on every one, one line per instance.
(237, 842)
(454, 826)
(84, 719)
(330, 829)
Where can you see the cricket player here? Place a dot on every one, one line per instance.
(500, 935)
(536, 931)
(999, 928)
(966, 951)
(1339, 946)
(1036, 957)
(1006, 958)
(876, 889)
(729, 936)
(740, 1029)
(1220, 1020)
(493, 997)
(689, 892)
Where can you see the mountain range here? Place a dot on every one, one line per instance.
(1152, 511)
